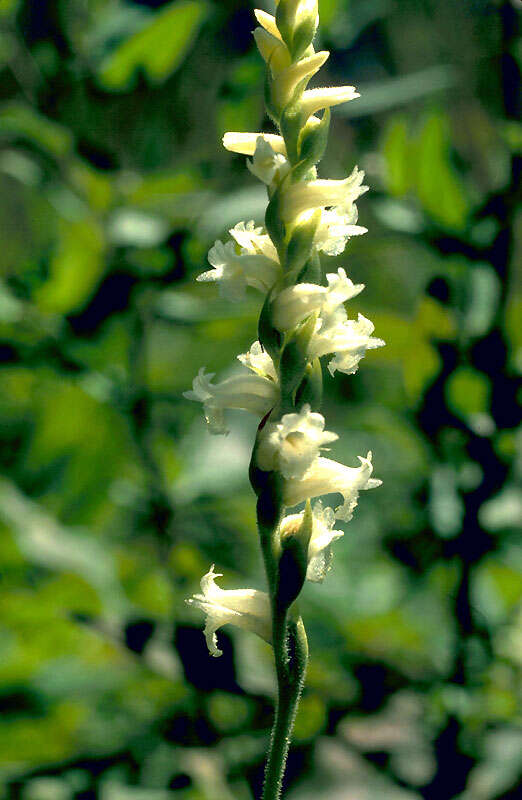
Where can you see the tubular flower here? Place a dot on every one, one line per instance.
(336, 226)
(294, 303)
(348, 339)
(291, 445)
(299, 197)
(246, 143)
(255, 393)
(246, 608)
(315, 99)
(235, 271)
(325, 476)
(320, 545)
(267, 165)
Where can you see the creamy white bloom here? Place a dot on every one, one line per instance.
(326, 476)
(336, 226)
(291, 445)
(320, 546)
(340, 289)
(267, 165)
(246, 143)
(295, 303)
(235, 271)
(304, 195)
(253, 241)
(254, 393)
(246, 608)
(348, 339)
(315, 99)
(259, 361)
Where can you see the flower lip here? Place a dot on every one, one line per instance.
(290, 445)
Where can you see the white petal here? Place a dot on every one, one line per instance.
(291, 445)
(259, 361)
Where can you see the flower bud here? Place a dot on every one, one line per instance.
(274, 52)
(268, 22)
(288, 79)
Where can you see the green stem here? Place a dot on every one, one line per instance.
(291, 656)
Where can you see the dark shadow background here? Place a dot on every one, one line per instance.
(113, 498)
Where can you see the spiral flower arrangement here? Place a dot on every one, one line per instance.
(302, 320)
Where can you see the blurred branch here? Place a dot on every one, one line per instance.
(396, 92)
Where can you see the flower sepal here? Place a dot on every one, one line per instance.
(310, 390)
(312, 143)
(294, 356)
(300, 246)
(293, 561)
(268, 335)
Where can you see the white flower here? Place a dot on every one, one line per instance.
(325, 476)
(259, 361)
(253, 393)
(267, 165)
(340, 289)
(336, 226)
(320, 546)
(253, 241)
(291, 445)
(304, 195)
(294, 303)
(348, 339)
(247, 608)
(235, 271)
(246, 143)
(315, 99)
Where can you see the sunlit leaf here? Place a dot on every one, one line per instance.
(158, 48)
(75, 268)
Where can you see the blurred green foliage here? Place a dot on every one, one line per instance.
(114, 499)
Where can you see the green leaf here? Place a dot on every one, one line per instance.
(438, 187)
(468, 392)
(159, 48)
(75, 269)
(21, 121)
(398, 161)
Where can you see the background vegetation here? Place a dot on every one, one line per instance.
(113, 498)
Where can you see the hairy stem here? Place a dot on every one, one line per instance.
(291, 656)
